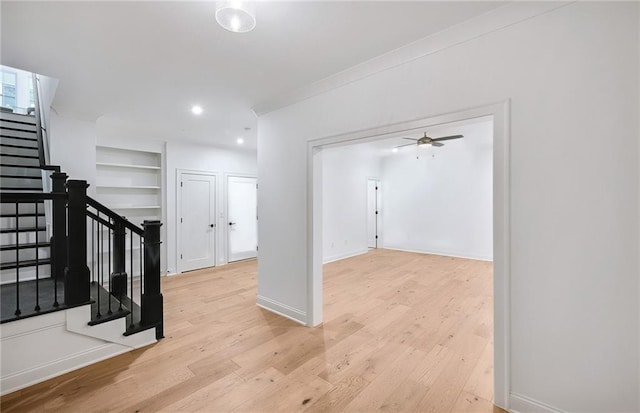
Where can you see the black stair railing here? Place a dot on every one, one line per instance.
(125, 261)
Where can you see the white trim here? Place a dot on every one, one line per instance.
(501, 222)
(179, 172)
(345, 255)
(282, 309)
(522, 404)
(43, 372)
(463, 32)
(441, 253)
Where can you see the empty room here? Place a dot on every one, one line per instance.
(358, 206)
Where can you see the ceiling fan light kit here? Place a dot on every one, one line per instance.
(426, 140)
(236, 16)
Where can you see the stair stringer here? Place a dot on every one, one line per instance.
(39, 348)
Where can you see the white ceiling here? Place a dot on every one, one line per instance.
(147, 63)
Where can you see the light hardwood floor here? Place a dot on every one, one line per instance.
(402, 332)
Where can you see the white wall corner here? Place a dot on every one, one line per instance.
(522, 404)
(282, 309)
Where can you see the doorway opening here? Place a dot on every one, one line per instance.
(242, 214)
(498, 212)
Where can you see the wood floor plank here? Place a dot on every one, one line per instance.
(402, 332)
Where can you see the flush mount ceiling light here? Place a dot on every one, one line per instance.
(236, 16)
(196, 110)
(240, 141)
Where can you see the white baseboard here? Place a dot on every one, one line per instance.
(345, 255)
(443, 253)
(522, 404)
(38, 374)
(282, 310)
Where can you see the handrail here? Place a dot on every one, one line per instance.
(119, 218)
(38, 112)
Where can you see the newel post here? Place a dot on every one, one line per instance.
(58, 226)
(76, 275)
(152, 298)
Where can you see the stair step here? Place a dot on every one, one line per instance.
(7, 176)
(11, 155)
(24, 264)
(27, 229)
(18, 126)
(8, 145)
(11, 189)
(20, 138)
(27, 291)
(10, 117)
(117, 311)
(13, 165)
(9, 247)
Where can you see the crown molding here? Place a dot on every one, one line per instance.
(494, 20)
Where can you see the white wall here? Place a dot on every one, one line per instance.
(73, 148)
(344, 181)
(442, 202)
(572, 78)
(194, 157)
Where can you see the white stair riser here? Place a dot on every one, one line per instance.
(10, 222)
(23, 237)
(18, 151)
(24, 254)
(25, 131)
(26, 273)
(19, 161)
(16, 117)
(22, 183)
(12, 170)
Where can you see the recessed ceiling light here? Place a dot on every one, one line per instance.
(236, 16)
(196, 110)
(394, 150)
(240, 141)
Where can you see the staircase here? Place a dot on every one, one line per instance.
(74, 274)
(20, 171)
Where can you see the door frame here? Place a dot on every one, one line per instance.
(179, 172)
(228, 175)
(500, 112)
(378, 226)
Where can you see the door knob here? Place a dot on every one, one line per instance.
(232, 223)
(212, 225)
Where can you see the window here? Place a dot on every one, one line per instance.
(9, 80)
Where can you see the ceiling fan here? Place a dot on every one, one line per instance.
(426, 140)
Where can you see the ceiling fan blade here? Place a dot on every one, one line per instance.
(446, 138)
(438, 144)
(411, 139)
(408, 144)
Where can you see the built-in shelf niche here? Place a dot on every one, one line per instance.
(129, 181)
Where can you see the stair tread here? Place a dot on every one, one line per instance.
(117, 311)
(27, 299)
(20, 188)
(21, 138)
(13, 165)
(20, 176)
(8, 145)
(13, 155)
(25, 229)
(26, 245)
(24, 263)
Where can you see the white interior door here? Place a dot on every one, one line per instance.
(197, 221)
(242, 212)
(373, 212)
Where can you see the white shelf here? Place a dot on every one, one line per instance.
(124, 165)
(127, 187)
